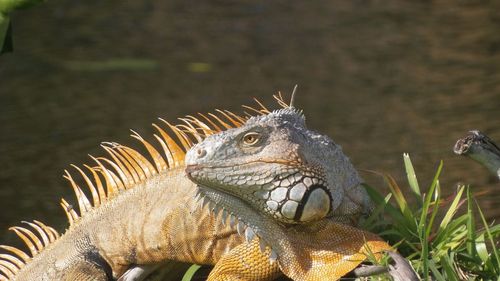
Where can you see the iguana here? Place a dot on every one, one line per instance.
(277, 195)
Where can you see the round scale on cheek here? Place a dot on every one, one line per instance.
(279, 194)
(289, 209)
(308, 181)
(297, 192)
(316, 206)
(272, 205)
(286, 182)
(297, 177)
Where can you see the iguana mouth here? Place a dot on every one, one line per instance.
(191, 168)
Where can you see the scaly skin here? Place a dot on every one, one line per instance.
(149, 224)
(286, 185)
(149, 216)
(279, 167)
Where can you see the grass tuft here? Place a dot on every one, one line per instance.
(441, 242)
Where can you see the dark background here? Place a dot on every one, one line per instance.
(380, 77)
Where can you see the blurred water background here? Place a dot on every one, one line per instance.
(380, 77)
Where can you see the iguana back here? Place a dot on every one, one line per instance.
(143, 211)
(140, 211)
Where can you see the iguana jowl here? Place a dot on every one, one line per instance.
(289, 188)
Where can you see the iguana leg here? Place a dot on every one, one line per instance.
(85, 271)
(245, 262)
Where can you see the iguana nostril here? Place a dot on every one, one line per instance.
(200, 152)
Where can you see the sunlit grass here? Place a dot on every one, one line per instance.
(440, 242)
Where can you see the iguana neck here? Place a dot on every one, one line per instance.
(249, 220)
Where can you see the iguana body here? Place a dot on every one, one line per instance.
(133, 229)
(144, 213)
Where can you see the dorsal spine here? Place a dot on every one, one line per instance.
(124, 168)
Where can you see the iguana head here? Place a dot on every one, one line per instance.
(275, 165)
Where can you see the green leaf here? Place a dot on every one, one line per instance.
(496, 260)
(412, 177)
(452, 209)
(447, 264)
(424, 225)
(435, 208)
(380, 202)
(393, 212)
(427, 202)
(435, 271)
(409, 220)
(425, 259)
(481, 249)
(471, 226)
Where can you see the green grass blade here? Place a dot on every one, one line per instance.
(427, 201)
(424, 225)
(444, 251)
(471, 226)
(496, 260)
(190, 272)
(435, 209)
(394, 213)
(381, 204)
(409, 219)
(425, 258)
(481, 249)
(447, 264)
(454, 230)
(435, 272)
(412, 177)
(452, 209)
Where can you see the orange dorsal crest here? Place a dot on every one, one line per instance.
(124, 168)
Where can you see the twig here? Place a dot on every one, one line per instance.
(400, 269)
(481, 148)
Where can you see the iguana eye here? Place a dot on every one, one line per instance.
(251, 138)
